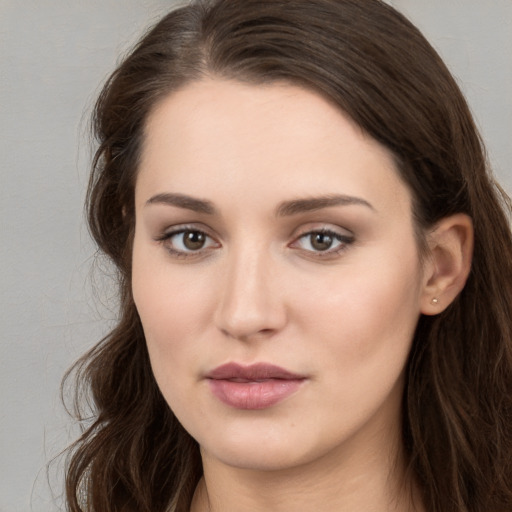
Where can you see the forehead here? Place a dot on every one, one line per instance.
(223, 137)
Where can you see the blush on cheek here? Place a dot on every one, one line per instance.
(372, 317)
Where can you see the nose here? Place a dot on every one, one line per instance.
(251, 303)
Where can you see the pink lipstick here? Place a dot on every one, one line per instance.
(256, 386)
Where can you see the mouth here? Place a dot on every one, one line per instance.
(253, 387)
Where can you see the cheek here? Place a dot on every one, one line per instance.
(168, 313)
(362, 337)
(175, 304)
(368, 313)
(164, 293)
(170, 359)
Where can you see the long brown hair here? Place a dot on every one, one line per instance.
(378, 69)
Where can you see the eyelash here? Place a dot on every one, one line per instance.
(344, 242)
(178, 253)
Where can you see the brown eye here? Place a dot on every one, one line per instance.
(321, 241)
(188, 242)
(194, 240)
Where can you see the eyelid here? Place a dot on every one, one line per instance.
(322, 227)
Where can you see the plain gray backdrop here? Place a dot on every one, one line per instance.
(54, 54)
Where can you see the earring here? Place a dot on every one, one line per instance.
(434, 301)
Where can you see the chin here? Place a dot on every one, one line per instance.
(263, 447)
(256, 458)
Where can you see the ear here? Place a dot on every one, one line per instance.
(448, 263)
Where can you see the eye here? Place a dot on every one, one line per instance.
(323, 241)
(187, 241)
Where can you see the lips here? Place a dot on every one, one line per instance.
(256, 386)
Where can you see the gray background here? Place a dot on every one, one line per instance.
(53, 56)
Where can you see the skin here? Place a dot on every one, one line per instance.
(259, 291)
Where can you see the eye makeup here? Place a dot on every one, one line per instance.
(190, 241)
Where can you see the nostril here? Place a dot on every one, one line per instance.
(247, 335)
(250, 305)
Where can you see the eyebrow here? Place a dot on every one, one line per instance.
(184, 201)
(285, 209)
(297, 206)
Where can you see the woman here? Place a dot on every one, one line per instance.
(315, 272)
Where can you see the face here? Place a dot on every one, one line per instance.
(276, 274)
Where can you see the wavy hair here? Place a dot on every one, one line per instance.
(370, 61)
